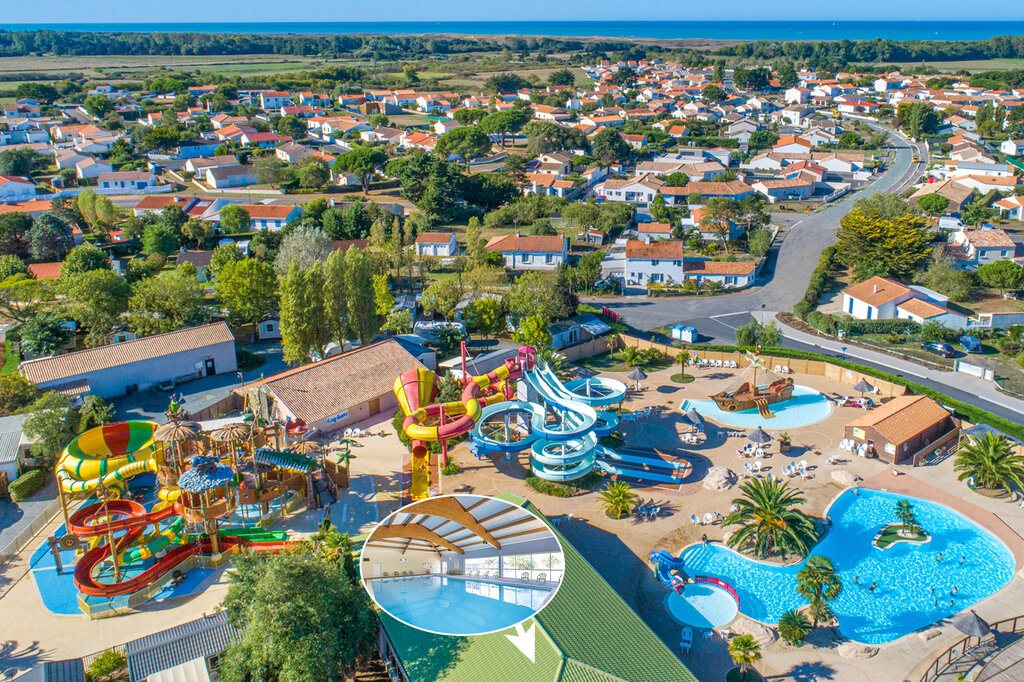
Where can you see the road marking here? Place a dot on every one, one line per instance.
(742, 312)
(525, 640)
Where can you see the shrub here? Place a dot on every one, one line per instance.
(565, 488)
(861, 327)
(106, 664)
(802, 308)
(450, 469)
(247, 360)
(822, 322)
(27, 484)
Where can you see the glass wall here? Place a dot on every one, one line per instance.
(483, 567)
(538, 567)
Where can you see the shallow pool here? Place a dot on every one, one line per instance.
(913, 586)
(702, 606)
(457, 606)
(805, 407)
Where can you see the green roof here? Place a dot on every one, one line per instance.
(587, 633)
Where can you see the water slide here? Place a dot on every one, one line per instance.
(665, 565)
(107, 456)
(561, 449)
(426, 420)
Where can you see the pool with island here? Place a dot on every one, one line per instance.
(914, 581)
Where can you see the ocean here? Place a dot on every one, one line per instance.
(663, 30)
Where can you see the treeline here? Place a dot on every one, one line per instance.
(71, 43)
(837, 54)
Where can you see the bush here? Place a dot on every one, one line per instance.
(822, 322)
(565, 488)
(802, 308)
(105, 665)
(27, 484)
(247, 360)
(861, 327)
(450, 469)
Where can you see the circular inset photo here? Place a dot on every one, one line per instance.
(462, 564)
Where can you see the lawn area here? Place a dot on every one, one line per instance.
(970, 65)
(11, 359)
(911, 349)
(606, 362)
(890, 535)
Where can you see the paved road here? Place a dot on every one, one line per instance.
(785, 275)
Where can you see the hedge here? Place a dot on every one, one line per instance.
(861, 327)
(971, 413)
(27, 484)
(566, 488)
(819, 279)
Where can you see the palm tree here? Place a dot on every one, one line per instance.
(617, 500)
(990, 460)
(769, 519)
(629, 355)
(745, 651)
(682, 357)
(905, 515)
(818, 583)
(794, 626)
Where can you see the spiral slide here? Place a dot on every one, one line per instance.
(565, 448)
(666, 564)
(107, 456)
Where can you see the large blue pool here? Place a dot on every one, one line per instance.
(905, 574)
(458, 606)
(805, 407)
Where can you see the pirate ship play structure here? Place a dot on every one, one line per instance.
(747, 394)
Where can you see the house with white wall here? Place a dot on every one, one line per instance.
(16, 188)
(437, 244)
(983, 246)
(881, 298)
(530, 252)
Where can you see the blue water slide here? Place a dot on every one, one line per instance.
(591, 391)
(665, 564)
(507, 409)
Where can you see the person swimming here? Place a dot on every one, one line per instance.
(872, 588)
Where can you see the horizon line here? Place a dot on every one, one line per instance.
(519, 21)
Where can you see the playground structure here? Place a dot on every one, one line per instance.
(669, 570)
(164, 499)
(747, 394)
(521, 405)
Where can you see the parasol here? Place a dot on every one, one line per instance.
(759, 436)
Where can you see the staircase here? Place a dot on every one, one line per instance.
(372, 671)
(762, 408)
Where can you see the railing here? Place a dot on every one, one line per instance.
(22, 539)
(953, 654)
(718, 583)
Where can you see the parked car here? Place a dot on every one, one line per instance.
(971, 344)
(943, 349)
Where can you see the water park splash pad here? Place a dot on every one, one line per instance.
(521, 405)
(161, 500)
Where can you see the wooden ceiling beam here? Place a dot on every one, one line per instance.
(449, 508)
(416, 531)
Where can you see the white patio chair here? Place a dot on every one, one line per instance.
(687, 639)
(771, 476)
(694, 519)
(785, 369)
(709, 518)
(757, 465)
(803, 464)
(778, 369)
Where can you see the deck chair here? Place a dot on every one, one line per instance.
(542, 577)
(525, 576)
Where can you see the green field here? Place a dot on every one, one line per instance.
(970, 65)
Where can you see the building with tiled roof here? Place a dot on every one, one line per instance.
(341, 390)
(569, 643)
(530, 252)
(881, 298)
(436, 244)
(983, 246)
(183, 652)
(902, 428)
(45, 270)
(139, 364)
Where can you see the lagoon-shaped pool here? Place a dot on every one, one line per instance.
(973, 560)
(805, 407)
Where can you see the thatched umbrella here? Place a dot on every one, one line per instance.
(305, 447)
(637, 375)
(971, 624)
(759, 436)
(695, 419)
(238, 431)
(176, 433)
(205, 475)
(863, 387)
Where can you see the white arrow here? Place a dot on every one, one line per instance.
(524, 640)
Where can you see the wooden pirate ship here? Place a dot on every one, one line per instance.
(755, 391)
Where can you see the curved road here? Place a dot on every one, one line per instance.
(784, 277)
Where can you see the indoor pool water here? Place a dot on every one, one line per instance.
(457, 606)
(805, 407)
(905, 574)
(702, 606)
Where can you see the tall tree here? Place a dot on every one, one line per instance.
(165, 303)
(609, 146)
(50, 238)
(96, 298)
(248, 289)
(818, 583)
(362, 314)
(466, 142)
(305, 329)
(872, 245)
(361, 162)
(84, 258)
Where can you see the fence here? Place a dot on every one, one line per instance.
(883, 388)
(951, 656)
(22, 539)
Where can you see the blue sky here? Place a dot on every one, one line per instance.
(103, 11)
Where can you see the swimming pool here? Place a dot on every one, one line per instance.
(457, 606)
(904, 574)
(702, 605)
(805, 407)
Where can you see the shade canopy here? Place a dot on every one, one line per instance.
(863, 386)
(759, 436)
(206, 474)
(694, 417)
(305, 447)
(636, 375)
(232, 432)
(971, 624)
(177, 432)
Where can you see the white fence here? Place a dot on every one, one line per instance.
(974, 370)
(20, 541)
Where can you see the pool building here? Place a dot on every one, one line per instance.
(905, 430)
(586, 632)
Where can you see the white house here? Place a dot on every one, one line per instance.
(530, 252)
(221, 177)
(437, 244)
(1012, 147)
(1011, 207)
(880, 298)
(15, 188)
(653, 262)
(91, 167)
(639, 190)
(983, 246)
(271, 100)
(654, 231)
(272, 216)
(797, 95)
(128, 180)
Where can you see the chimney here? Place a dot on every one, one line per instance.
(874, 289)
(517, 234)
(647, 239)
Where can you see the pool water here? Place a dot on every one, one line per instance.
(905, 574)
(457, 606)
(805, 407)
(702, 606)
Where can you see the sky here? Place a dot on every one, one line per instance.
(103, 11)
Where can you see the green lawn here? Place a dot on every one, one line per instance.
(606, 362)
(11, 359)
(890, 535)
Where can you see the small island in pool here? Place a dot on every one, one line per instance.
(894, 534)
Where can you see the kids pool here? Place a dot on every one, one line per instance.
(457, 606)
(913, 584)
(805, 407)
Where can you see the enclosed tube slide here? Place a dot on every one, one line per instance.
(665, 565)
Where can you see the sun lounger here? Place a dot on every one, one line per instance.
(708, 519)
